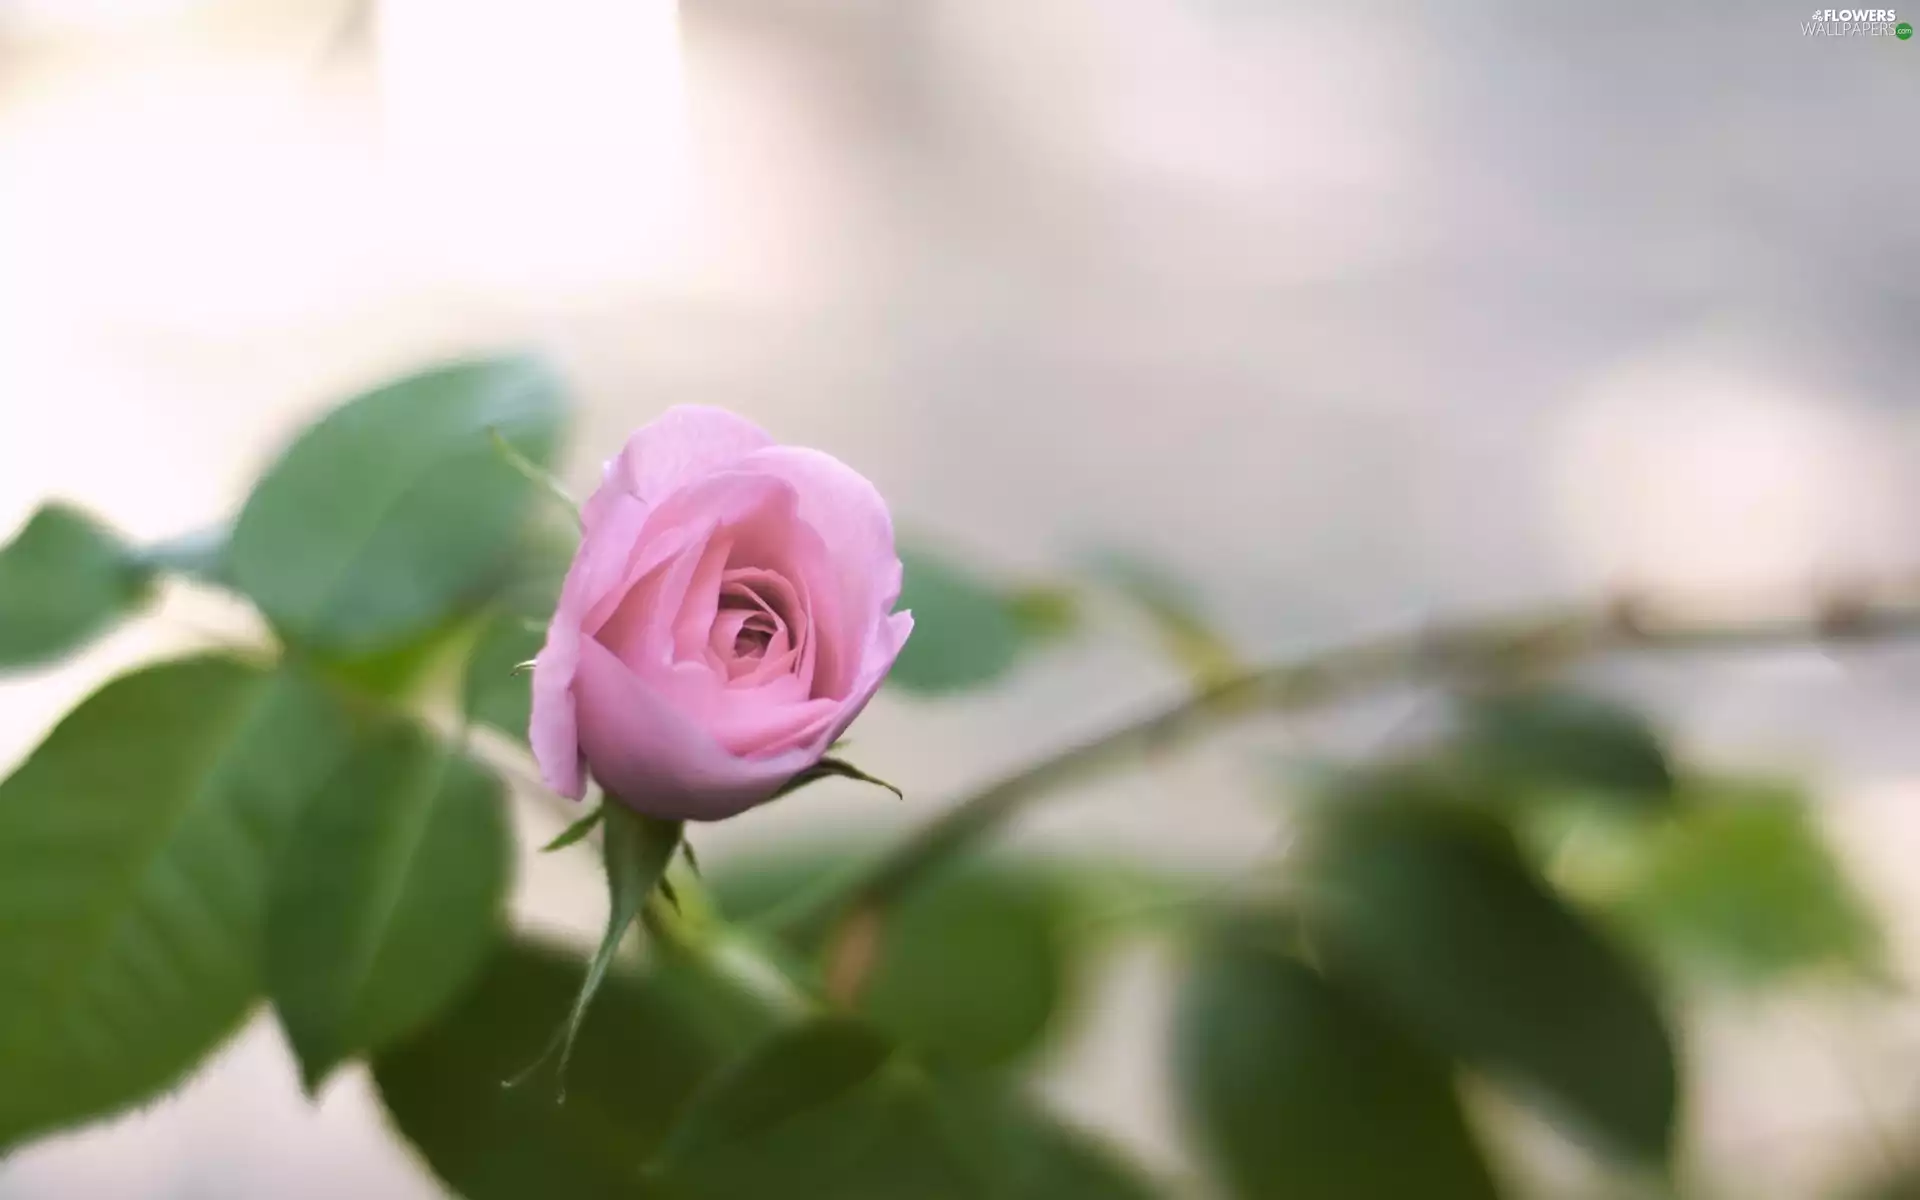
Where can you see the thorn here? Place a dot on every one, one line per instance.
(533, 1068)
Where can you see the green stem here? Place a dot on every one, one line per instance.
(534, 472)
(1501, 646)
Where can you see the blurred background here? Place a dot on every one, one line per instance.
(1357, 316)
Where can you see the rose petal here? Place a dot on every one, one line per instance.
(847, 511)
(888, 637)
(650, 754)
(640, 629)
(693, 515)
(683, 445)
(854, 534)
(700, 602)
(593, 578)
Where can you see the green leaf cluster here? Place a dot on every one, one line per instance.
(1441, 918)
(203, 836)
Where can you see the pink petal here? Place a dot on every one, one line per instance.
(685, 444)
(854, 532)
(888, 636)
(648, 753)
(848, 512)
(640, 629)
(691, 516)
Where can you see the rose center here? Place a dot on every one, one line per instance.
(752, 632)
(754, 635)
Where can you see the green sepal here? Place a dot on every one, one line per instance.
(577, 831)
(636, 851)
(831, 768)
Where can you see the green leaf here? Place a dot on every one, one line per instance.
(63, 581)
(897, 1135)
(636, 850)
(798, 1069)
(408, 671)
(1026, 1153)
(397, 509)
(971, 969)
(641, 1055)
(389, 897)
(136, 849)
(1741, 887)
(965, 633)
(769, 889)
(1570, 741)
(498, 686)
(1293, 1087)
(886, 1140)
(1043, 612)
(1433, 913)
(1903, 1184)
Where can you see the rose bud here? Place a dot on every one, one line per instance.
(727, 616)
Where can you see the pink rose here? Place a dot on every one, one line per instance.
(728, 615)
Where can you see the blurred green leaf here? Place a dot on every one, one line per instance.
(1570, 742)
(1173, 609)
(640, 1055)
(885, 1140)
(1742, 886)
(393, 511)
(1294, 1088)
(1043, 612)
(760, 887)
(498, 689)
(799, 1068)
(965, 632)
(388, 899)
(136, 849)
(1026, 1153)
(1433, 913)
(1905, 1185)
(406, 671)
(971, 966)
(64, 579)
(897, 1136)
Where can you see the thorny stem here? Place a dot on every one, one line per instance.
(1502, 647)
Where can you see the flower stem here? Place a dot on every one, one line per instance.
(1505, 646)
